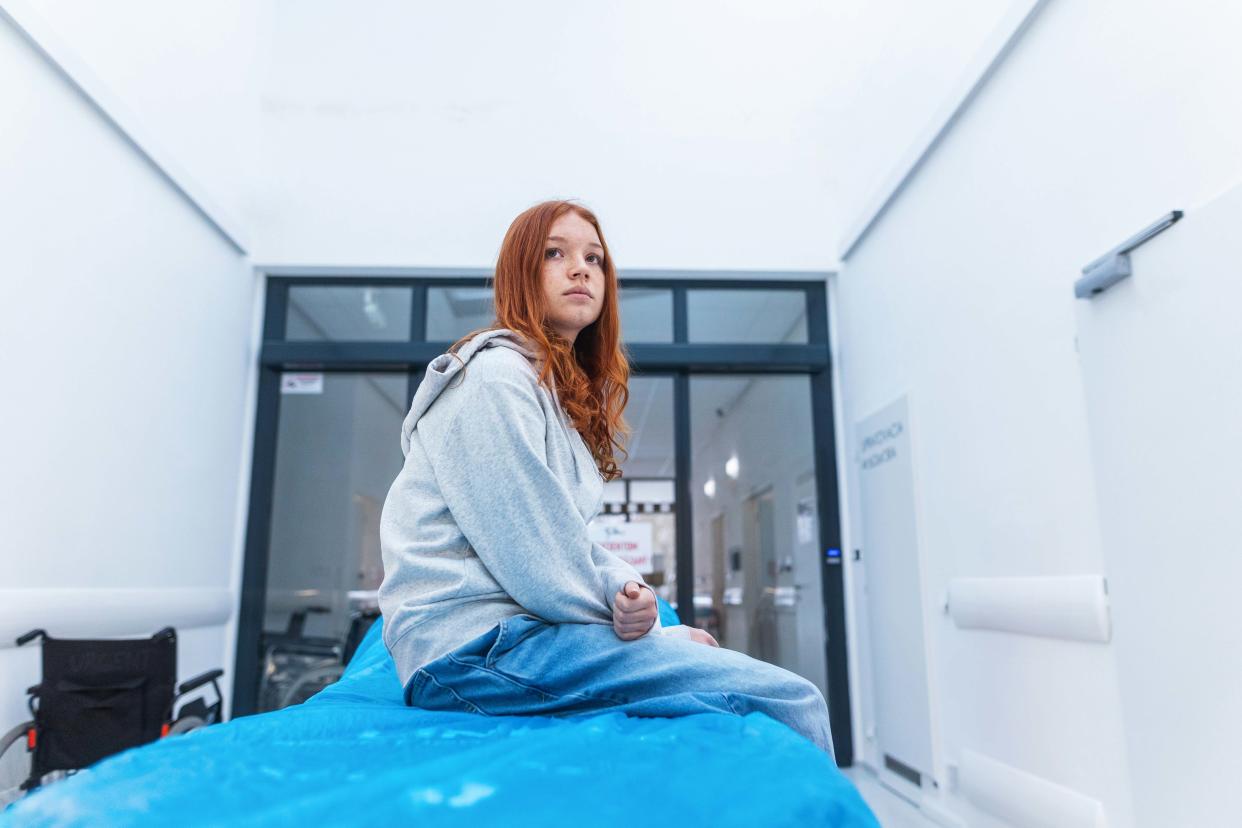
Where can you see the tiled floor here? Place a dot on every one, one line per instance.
(891, 810)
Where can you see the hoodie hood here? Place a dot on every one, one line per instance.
(441, 371)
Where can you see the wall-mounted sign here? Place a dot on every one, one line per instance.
(629, 541)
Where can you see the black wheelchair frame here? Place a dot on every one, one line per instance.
(99, 697)
(296, 666)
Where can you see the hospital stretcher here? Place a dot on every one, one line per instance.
(353, 754)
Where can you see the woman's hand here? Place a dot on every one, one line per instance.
(691, 633)
(634, 611)
(702, 636)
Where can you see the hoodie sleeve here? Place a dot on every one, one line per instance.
(616, 572)
(520, 519)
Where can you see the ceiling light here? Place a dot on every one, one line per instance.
(372, 311)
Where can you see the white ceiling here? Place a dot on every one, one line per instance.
(411, 132)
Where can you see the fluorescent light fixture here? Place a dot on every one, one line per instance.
(372, 310)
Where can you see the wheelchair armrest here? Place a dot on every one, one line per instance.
(198, 681)
(31, 636)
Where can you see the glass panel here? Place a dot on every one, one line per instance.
(653, 491)
(767, 316)
(637, 518)
(348, 314)
(756, 537)
(646, 315)
(453, 312)
(337, 454)
(614, 491)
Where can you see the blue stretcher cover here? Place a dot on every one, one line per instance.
(355, 755)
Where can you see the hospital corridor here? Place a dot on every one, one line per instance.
(882, 359)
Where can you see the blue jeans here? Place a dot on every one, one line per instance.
(527, 666)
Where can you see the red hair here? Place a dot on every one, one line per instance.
(591, 375)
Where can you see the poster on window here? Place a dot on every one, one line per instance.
(301, 383)
(629, 541)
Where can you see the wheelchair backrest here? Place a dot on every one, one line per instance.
(99, 697)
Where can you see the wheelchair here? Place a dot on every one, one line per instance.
(296, 666)
(99, 697)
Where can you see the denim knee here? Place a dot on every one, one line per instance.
(809, 713)
(819, 706)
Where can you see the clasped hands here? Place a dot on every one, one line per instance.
(635, 611)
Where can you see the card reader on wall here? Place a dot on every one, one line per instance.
(1114, 265)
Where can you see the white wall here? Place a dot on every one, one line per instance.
(1104, 117)
(187, 70)
(125, 348)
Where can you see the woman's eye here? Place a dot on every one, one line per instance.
(599, 260)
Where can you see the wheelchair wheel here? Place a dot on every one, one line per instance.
(311, 682)
(14, 764)
(185, 724)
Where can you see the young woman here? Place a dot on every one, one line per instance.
(495, 599)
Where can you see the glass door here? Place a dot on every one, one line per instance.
(337, 453)
(639, 516)
(757, 564)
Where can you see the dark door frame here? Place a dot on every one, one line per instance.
(680, 359)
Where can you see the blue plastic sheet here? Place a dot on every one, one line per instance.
(355, 755)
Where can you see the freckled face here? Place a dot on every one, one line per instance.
(573, 275)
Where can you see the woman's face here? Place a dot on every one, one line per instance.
(573, 275)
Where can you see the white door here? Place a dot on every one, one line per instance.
(1161, 355)
(890, 560)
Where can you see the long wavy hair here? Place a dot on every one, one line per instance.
(590, 376)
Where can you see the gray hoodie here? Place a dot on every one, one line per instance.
(488, 516)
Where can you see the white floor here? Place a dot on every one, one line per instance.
(890, 809)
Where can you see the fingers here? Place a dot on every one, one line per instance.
(633, 626)
(641, 621)
(632, 597)
(703, 637)
(640, 625)
(634, 611)
(631, 629)
(629, 594)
